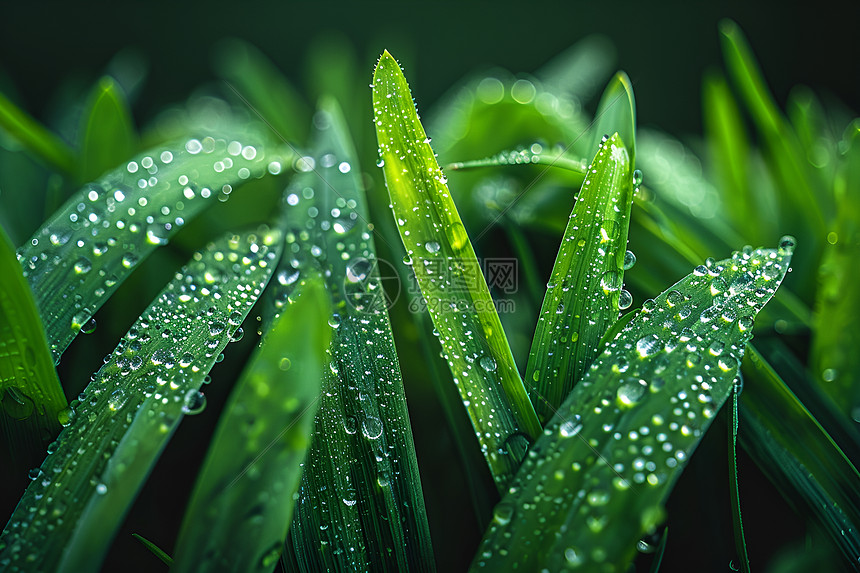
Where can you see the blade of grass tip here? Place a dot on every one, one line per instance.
(256, 78)
(259, 445)
(154, 549)
(801, 208)
(616, 112)
(812, 126)
(597, 479)
(734, 486)
(798, 455)
(450, 278)
(32, 403)
(68, 516)
(836, 336)
(661, 550)
(584, 292)
(107, 136)
(81, 255)
(360, 505)
(35, 138)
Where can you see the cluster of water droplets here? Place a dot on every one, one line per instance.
(632, 422)
(146, 384)
(92, 243)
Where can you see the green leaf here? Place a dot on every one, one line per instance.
(31, 397)
(616, 113)
(597, 478)
(35, 138)
(155, 549)
(360, 505)
(450, 278)
(835, 360)
(125, 416)
(796, 453)
(257, 450)
(79, 257)
(734, 485)
(583, 292)
(108, 137)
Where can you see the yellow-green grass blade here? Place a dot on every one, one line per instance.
(360, 505)
(796, 453)
(78, 258)
(35, 138)
(584, 290)
(242, 503)
(31, 398)
(69, 514)
(107, 136)
(836, 338)
(598, 477)
(450, 278)
(616, 113)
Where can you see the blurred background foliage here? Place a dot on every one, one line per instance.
(58, 61)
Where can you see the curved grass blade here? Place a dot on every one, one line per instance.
(798, 455)
(450, 278)
(154, 549)
(583, 292)
(38, 140)
(69, 514)
(360, 505)
(32, 403)
(616, 113)
(661, 550)
(734, 486)
(87, 248)
(597, 478)
(524, 157)
(242, 503)
(836, 362)
(108, 136)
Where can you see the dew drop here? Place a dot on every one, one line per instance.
(194, 402)
(371, 428)
(89, 326)
(631, 391)
(629, 260)
(648, 345)
(637, 178)
(625, 299)
(83, 266)
(432, 247)
(569, 428)
(786, 246)
(487, 363)
(503, 512)
(610, 281)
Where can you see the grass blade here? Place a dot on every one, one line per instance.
(450, 278)
(835, 359)
(582, 297)
(31, 397)
(154, 549)
(597, 478)
(243, 500)
(616, 113)
(78, 258)
(108, 136)
(734, 486)
(69, 514)
(35, 138)
(360, 504)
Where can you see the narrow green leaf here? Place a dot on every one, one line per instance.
(584, 289)
(450, 278)
(108, 137)
(524, 157)
(257, 450)
(596, 480)
(69, 514)
(734, 486)
(35, 138)
(360, 505)
(616, 113)
(661, 550)
(155, 549)
(835, 360)
(797, 454)
(79, 257)
(31, 397)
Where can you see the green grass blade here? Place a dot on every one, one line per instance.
(597, 478)
(35, 138)
(835, 360)
(154, 549)
(797, 454)
(661, 550)
(582, 296)
(580, 70)
(450, 278)
(616, 113)
(524, 157)
(79, 257)
(108, 136)
(69, 514)
(31, 398)
(734, 486)
(243, 500)
(360, 504)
